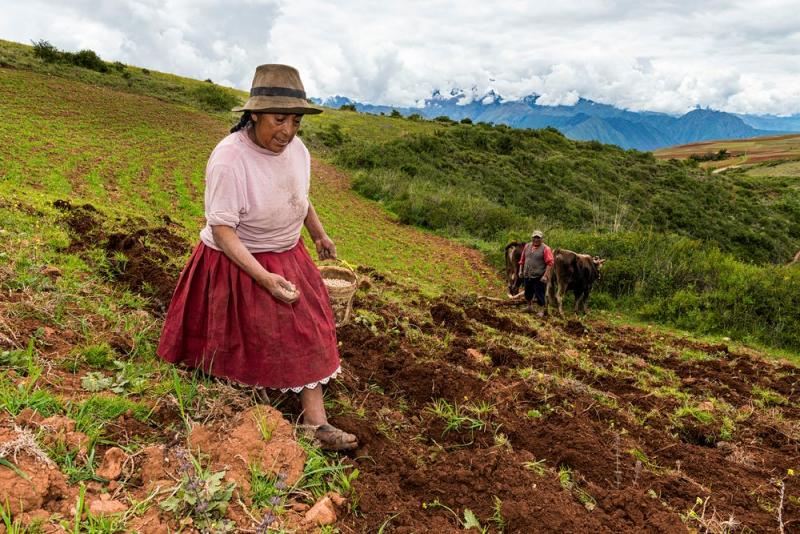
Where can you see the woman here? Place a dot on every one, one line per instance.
(251, 305)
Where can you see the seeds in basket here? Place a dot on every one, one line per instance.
(336, 282)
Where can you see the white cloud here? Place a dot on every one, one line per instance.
(665, 55)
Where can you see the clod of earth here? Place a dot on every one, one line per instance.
(111, 468)
(322, 513)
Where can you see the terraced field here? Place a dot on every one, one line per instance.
(742, 152)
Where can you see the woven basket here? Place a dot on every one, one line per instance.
(340, 295)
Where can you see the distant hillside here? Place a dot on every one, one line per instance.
(480, 181)
(737, 153)
(587, 120)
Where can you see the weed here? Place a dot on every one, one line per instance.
(651, 465)
(468, 522)
(267, 491)
(536, 466)
(454, 417)
(567, 481)
(322, 474)
(497, 514)
(265, 428)
(26, 394)
(200, 495)
(765, 397)
(711, 524)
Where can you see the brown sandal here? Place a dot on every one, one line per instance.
(335, 439)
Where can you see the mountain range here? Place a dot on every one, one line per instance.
(589, 120)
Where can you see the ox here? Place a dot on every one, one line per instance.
(513, 255)
(796, 259)
(572, 271)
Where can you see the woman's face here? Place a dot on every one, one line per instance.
(274, 131)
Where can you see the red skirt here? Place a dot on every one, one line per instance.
(221, 321)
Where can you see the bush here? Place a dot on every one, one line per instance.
(466, 120)
(333, 135)
(46, 51)
(445, 119)
(215, 98)
(347, 107)
(88, 59)
(395, 114)
(416, 117)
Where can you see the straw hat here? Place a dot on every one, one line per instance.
(537, 233)
(278, 89)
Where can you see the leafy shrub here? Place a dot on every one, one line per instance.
(466, 120)
(46, 51)
(333, 135)
(416, 117)
(347, 107)
(215, 98)
(88, 59)
(395, 114)
(445, 119)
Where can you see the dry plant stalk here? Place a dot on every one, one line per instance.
(24, 442)
(617, 470)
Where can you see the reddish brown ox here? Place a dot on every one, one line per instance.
(796, 259)
(575, 272)
(513, 255)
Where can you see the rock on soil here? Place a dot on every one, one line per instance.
(322, 513)
(111, 468)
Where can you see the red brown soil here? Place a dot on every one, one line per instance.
(407, 460)
(139, 258)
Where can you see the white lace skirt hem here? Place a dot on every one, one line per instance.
(312, 385)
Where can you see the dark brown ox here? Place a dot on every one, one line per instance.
(513, 255)
(572, 272)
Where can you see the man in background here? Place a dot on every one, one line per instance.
(534, 268)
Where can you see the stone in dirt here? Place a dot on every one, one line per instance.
(322, 513)
(475, 355)
(105, 506)
(111, 468)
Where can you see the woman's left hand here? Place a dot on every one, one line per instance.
(326, 250)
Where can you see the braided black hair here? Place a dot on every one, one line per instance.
(244, 121)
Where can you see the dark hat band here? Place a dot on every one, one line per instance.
(277, 91)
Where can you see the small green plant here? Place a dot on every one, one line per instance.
(651, 465)
(536, 466)
(200, 495)
(84, 522)
(127, 380)
(497, 514)
(100, 355)
(469, 521)
(322, 474)
(766, 397)
(454, 417)
(567, 481)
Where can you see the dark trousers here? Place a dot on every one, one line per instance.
(534, 287)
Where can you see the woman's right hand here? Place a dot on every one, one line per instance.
(280, 288)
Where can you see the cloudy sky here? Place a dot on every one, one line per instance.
(662, 55)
